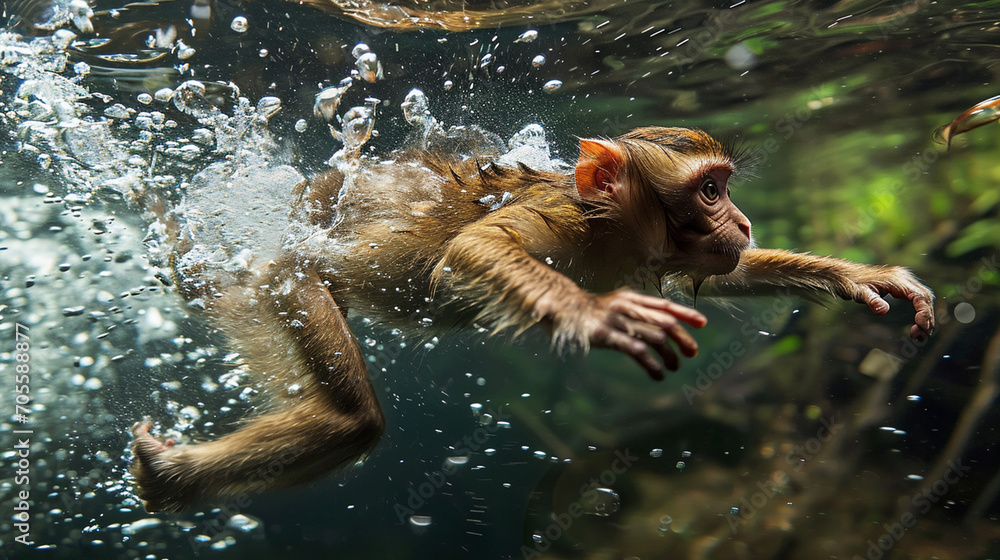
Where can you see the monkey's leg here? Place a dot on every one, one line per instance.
(761, 270)
(290, 330)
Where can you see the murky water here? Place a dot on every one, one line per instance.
(799, 432)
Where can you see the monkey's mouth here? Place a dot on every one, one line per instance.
(719, 260)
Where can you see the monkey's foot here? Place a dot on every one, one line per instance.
(158, 468)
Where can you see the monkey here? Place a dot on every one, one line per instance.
(432, 237)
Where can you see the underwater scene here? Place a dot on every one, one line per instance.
(437, 279)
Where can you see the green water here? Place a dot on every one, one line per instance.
(800, 431)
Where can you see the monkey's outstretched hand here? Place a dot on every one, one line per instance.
(899, 283)
(808, 275)
(635, 324)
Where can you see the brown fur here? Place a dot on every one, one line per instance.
(430, 235)
(765, 271)
(291, 332)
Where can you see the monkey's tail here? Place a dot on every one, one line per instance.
(291, 329)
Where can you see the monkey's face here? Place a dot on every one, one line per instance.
(705, 230)
(669, 189)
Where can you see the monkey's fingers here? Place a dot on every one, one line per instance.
(659, 340)
(924, 319)
(639, 351)
(923, 303)
(665, 323)
(682, 312)
(872, 299)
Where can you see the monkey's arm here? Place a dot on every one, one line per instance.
(805, 275)
(490, 271)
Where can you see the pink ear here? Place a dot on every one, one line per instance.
(598, 167)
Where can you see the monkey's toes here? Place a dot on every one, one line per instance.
(158, 472)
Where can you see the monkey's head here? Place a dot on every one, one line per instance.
(667, 190)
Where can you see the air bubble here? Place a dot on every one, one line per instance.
(144, 98)
(665, 522)
(327, 101)
(242, 523)
(268, 106)
(189, 98)
(369, 67)
(358, 124)
(190, 152)
(527, 37)
(202, 136)
(603, 502)
(532, 135)
(538, 61)
(184, 52)
(117, 111)
(163, 95)
(239, 24)
(419, 523)
(964, 313)
(656, 453)
(301, 125)
(359, 50)
(415, 108)
(552, 86)
(81, 13)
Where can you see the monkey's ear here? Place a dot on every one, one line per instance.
(598, 167)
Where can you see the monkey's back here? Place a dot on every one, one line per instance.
(394, 220)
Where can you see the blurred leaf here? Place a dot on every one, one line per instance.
(984, 233)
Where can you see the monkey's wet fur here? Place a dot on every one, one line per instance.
(461, 241)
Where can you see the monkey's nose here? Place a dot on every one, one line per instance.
(745, 228)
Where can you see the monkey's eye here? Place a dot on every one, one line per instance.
(710, 189)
